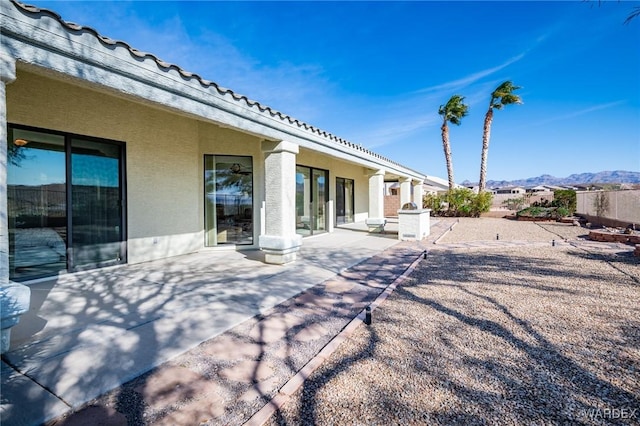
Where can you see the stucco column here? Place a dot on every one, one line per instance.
(418, 193)
(14, 297)
(405, 191)
(7, 75)
(376, 218)
(280, 241)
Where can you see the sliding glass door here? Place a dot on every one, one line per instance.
(37, 204)
(65, 203)
(228, 200)
(312, 195)
(96, 207)
(344, 201)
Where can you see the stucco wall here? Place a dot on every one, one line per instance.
(162, 157)
(610, 207)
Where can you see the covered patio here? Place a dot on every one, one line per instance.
(89, 332)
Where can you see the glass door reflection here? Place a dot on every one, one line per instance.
(37, 204)
(65, 202)
(311, 200)
(228, 200)
(96, 200)
(319, 199)
(344, 201)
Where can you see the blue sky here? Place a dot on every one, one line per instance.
(375, 73)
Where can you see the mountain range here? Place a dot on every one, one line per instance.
(617, 176)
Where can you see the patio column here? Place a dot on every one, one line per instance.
(14, 297)
(418, 193)
(7, 75)
(376, 218)
(280, 241)
(405, 191)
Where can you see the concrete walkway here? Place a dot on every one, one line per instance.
(91, 332)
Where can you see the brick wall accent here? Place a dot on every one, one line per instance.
(609, 237)
(391, 205)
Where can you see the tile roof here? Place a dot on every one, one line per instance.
(166, 66)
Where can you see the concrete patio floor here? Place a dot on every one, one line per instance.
(89, 332)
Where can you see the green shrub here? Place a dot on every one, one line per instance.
(514, 203)
(481, 203)
(461, 202)
(434, 202)
(536, 212)
(544, 212)
(565, 198)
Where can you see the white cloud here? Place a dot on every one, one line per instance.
(470, 79)
(578, 113)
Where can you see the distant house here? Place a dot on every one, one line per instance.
(587, 187)
(540, 188)
(515, 190)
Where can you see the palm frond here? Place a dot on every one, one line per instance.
(503, 95)
(634, 14)
(511, 99)
(454, 110)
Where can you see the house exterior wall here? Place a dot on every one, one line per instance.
(164, 157)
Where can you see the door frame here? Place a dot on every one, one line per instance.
(314, 206)
(68, 137)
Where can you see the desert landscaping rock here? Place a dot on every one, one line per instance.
(518, 335)
(514, 331)
(171, 384)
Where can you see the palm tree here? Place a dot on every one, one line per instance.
(503, 95)
(452, 113)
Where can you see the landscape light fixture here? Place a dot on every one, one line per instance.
(367, 315)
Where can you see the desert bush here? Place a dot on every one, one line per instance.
(461, 202)
(514, 203)
(601, 204)
(481, 203)
(434, 202)
(542, 203)
(544, 212)
(565, 198)
(536, 212)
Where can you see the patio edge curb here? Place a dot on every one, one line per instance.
(450, 228)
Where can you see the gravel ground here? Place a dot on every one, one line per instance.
(486, 229)
(493, 335)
